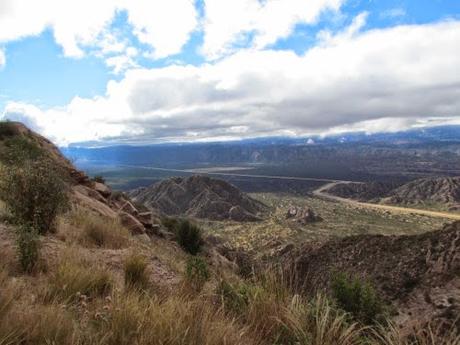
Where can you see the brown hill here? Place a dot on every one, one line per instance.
(200, 197)
(419, 274)
(370, 191)
(443, 191)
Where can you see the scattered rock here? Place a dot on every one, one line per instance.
(131, 223)
(303, 216)
(103, 189)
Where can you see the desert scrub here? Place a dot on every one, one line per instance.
(50, 324)
(15, 150)
(170, 223)
(73, 279)
(10, 330)
(317, 322)
(136, 318)
(234, 297)
(196, 273)
(34, 193)
(99, 231)
(358, 298)
(135, 271)
(189, 237)
(28, 247)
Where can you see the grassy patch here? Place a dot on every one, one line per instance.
(99, 231)
(72, 280)
(135, 270)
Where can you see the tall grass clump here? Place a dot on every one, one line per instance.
(189, 237)
(358, 298)
(137, 319)
(28, 247)
(196, 273)
(10, 331)
(135, 271)
(73, 279)
(100, 231)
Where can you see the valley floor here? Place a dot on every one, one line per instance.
(341, 218)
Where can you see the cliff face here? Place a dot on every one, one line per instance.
(200, 197)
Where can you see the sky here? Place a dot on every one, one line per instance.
(147, 71)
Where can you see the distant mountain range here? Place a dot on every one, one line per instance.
(355, 156)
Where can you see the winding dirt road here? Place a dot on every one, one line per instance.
(321, 193)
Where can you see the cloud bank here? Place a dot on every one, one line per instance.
(385, 79)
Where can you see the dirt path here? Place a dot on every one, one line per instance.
(321, 193)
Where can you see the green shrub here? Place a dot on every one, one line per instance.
(99, 178)
(197, 273)
(135, 272)
(7, 130)
(35, 193)
(235, 298)
(357, 298)
(28, 247)
(18, 149)
(170, 223)
(189, 237)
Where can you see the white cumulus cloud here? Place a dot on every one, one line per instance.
(2, 58)
(165, 26)
(230, 23)
(382, 79)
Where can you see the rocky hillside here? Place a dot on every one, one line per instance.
(443, 191)
(16, 139)
(200, 197)
(418, 274)
(371, 191)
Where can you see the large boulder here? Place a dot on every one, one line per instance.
(103, 189)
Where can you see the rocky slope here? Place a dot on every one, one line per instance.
(370, 191)
(441, 192)
(200, 197)
(91, 195)
(419, 275)
(444, 191)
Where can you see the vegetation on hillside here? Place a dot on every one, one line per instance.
(98, 285)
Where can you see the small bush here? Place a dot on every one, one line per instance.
(99, 178)
(170, 223)
(235, 298)
(136, 272)
(357, 298)
(7, 130)
(197, 273)
(73, 279)
(28, 247)
(18, 149)
(35, 193)
(189, 237)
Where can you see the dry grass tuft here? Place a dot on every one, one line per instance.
(137, 319)
(73, 280)
(136, 276)
(99, 231)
